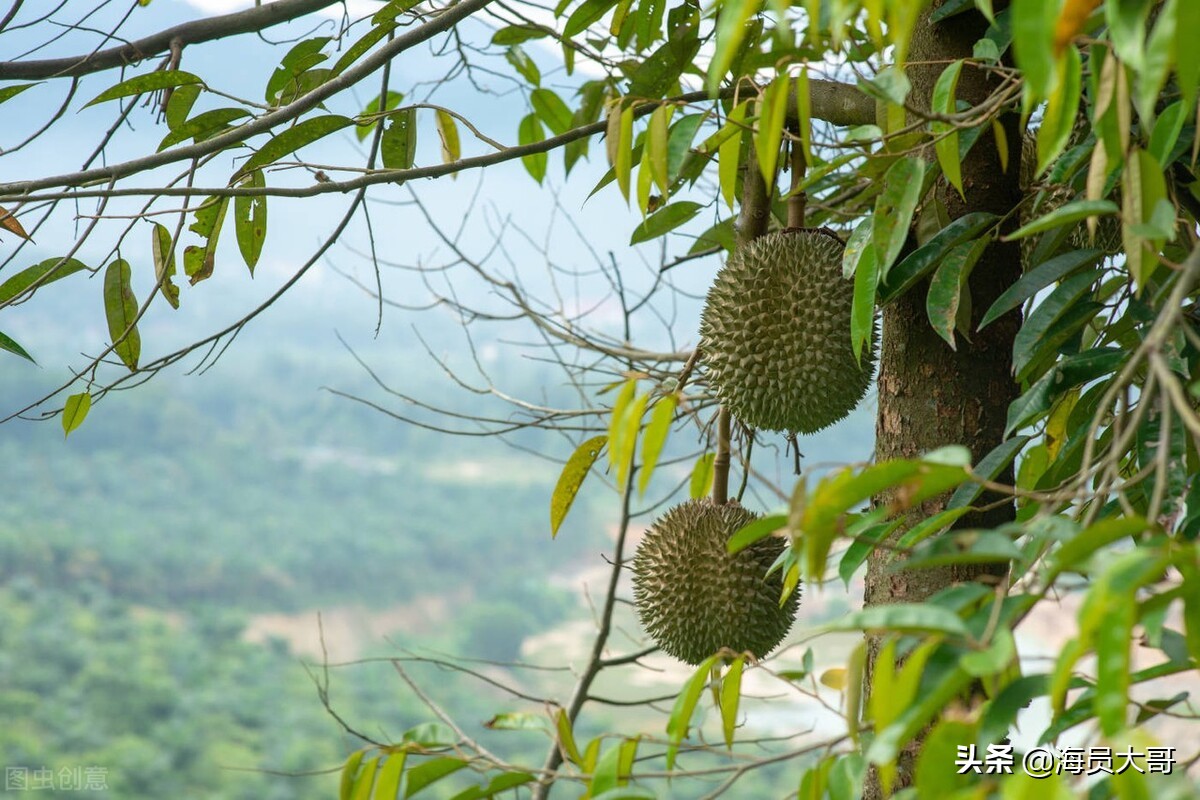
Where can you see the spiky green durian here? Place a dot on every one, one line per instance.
(694, 598)
(775, 334)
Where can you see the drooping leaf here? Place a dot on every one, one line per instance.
(447, 130)
(398, 145)
(755, 530)
(948, 286)
(729, 151)
(349, 773)
(1033, 24)
(680, 720)
(250, 220)
(702, 476)
(551, 110)
(571, 478)
(731, 695)
(768, 134)
(655, 437)
(530, 132)
(894, 210)
(1061, 110)
(121, 309)
(945, 93)
(365, 781)
(200, 260)
(162, 250)
(902, 618)
(387, 781)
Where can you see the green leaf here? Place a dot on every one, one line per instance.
(250, 220)
(685, 705)
(398, 145)
(945, 93)
(523, 64)
(926, 258)
(857, 246)
(1037, 279)
(200, 260)
(203, 126)
(1068, 214)
(623, 157)
(9, 92)
(1113, 639)
(180, 105)
(121, 309)
(428, 773)
(365, 781)
(349, 773)
(995, 658)
(1033, 44)
(501, 783)
(163, 254)
(387, 781)
(1072, 554)
(894, 210)
(430, 734)
(902, 618)
(530, 132)
(862, 547)
(354, 52)
(75, 411)
(48, 271)
(516, 34)
(1059, 118)
(1048, 312)
(949, 284)
(588, 13)
(10, 345)
(729, 152)
(566, 738)
(152, 82)
(768, 134)
(988, 468)
(623, 445)
(627, 793)
(571, 478)
(665, 220)
(754, 530)
(731, 695)
(292, 139)
(391, 101)
(657, 148)
(1187, 55)
(551, 109)
(702, 476)
(730, 30)
(862, 306)
(655, 437)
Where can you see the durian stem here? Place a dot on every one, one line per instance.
(798, 199)
(720, 487)
(755, 214)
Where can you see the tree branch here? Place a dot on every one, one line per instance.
(194, 32)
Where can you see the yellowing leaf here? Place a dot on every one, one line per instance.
(163, 253)
(1070, 22)
(447, 130)
(769, 133)
(571, 478)
(834, 678)
(656, 147)
(702, 476)
(624, 159)
(75, 411)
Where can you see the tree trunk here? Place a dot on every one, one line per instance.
(930, 395)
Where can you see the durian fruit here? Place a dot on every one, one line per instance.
(694, 598)
(775, 334)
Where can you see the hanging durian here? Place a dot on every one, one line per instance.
(775, 334)
(693, 597)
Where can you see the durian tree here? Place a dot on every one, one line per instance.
(996, 202)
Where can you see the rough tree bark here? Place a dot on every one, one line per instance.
(930, 395)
